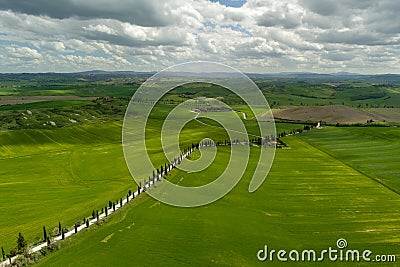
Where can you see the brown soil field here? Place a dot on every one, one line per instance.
(337, 114)
(12, 100)
(387, 114)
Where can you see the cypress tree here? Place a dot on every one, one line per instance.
(114, 206)
(106, 212)
(21, 243)
(3, 253)
(48, 241)
(59, 228)
(97, 215)
(127, 198)
(44, 233)
(120, 203)
(110, 204)
(76, 228)
(87, 223)
(62, 234)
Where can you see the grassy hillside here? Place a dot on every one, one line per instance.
(280, 92)
(63, 174)
(373, 151)
(327, 184)
(55, 114)
(45, 104)
(309, 200)
(49, 176)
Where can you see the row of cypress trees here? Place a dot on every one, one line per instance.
(161, 172)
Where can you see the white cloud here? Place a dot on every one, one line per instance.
(52, 46)
(100, 28)
(23, 52)
(262, 35)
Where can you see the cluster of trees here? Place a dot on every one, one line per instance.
(207, 143)
(267, 141)
(21, 248)
(226, 142)
(295, 131)
(370, 123)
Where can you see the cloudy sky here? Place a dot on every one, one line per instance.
(148, 35)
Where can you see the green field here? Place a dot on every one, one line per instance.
(326, 184)
(45, 104)
(280, 92)
(57, 175)
(100, 88)
(310, 199)
(63, 174)
(56, 114)
(375, 153)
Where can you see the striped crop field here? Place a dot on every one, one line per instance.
(316, 193)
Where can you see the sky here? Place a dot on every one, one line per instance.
(259, 36)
